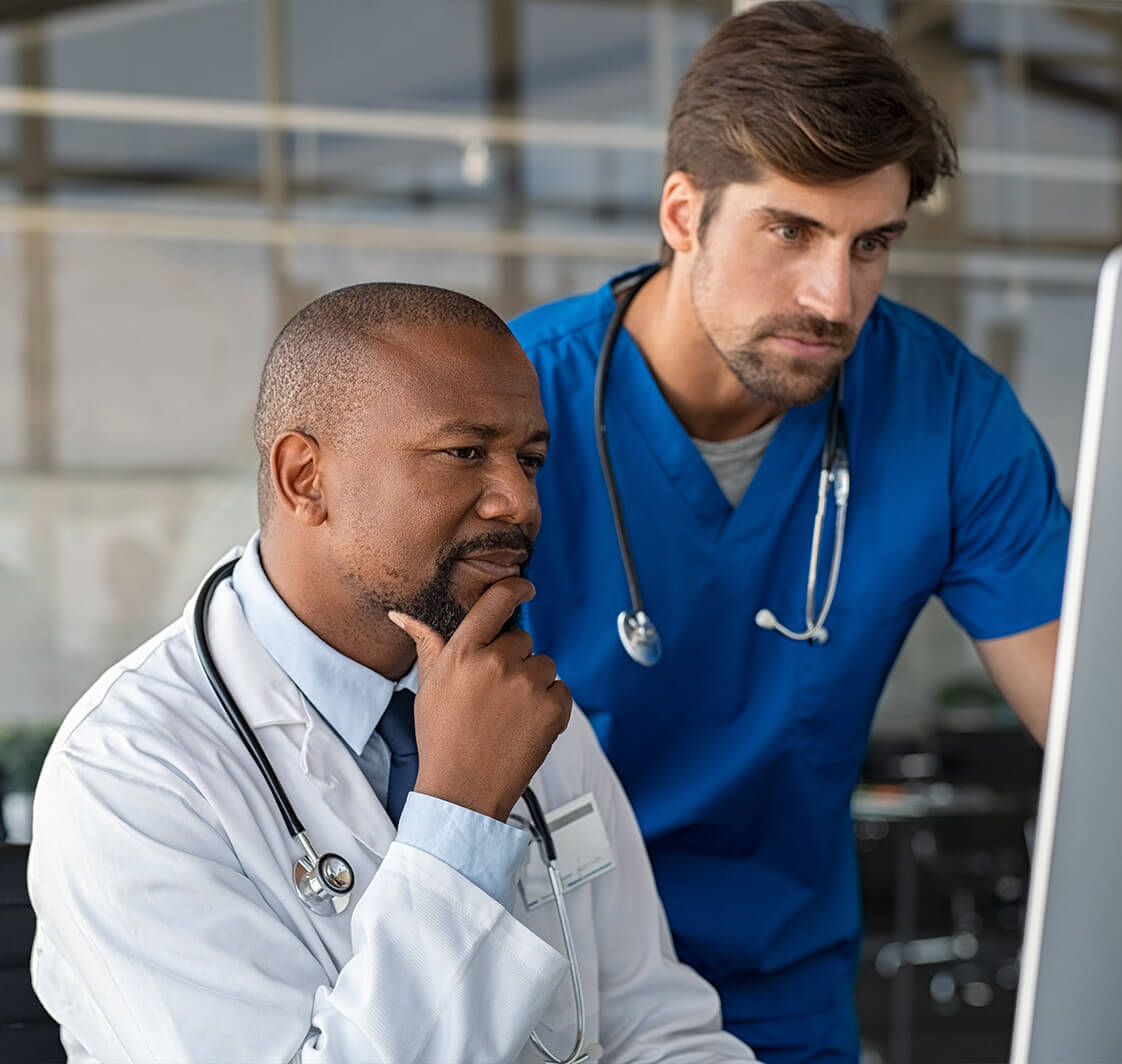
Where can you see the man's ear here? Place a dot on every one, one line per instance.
(295, 465)
(679, 211)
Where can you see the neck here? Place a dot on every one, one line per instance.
(323, 602)
(695, 380)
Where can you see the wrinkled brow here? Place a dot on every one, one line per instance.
(461, 427)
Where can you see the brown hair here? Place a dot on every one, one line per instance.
(792, 86)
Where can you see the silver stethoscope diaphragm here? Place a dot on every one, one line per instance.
(323, 882)
(639, 637)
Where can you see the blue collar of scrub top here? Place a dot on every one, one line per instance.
(632, 391)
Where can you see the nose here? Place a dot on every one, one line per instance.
(828, 286)
(509, 494)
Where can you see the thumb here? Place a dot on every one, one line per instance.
(429, 643)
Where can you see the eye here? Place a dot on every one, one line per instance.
(788, 233)
(465, 454)
(532, 462)
(868, 246)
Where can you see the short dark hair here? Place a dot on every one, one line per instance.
(793, 87)
(309, 380)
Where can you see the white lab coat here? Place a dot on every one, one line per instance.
(169, 929)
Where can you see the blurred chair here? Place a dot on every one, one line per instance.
(27, 1034)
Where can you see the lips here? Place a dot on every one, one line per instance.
(808, 347)
(496, 564)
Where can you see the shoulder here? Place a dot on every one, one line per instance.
(140, 715)
(914, 348)
(565, 329)
(914, 377)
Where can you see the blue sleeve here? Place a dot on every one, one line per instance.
(480, 848)
(1009, 525)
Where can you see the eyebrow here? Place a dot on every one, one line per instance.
(484, 432)
(784, 217)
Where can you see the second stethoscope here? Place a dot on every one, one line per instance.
(324, 882)
(637, 631)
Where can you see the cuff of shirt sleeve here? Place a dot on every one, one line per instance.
(480, 848)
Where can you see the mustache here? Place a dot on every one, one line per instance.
(807, 326)
(498, 539)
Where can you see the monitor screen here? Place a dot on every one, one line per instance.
(1069, 1006)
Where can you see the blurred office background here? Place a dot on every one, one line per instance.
(178, 176)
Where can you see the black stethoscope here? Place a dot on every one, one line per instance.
(637, 631)
(324, 882)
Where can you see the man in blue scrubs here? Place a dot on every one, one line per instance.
(796, 145)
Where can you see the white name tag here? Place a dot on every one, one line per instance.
(583, 851)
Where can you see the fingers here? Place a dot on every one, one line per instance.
(515, 645)
(563, 699)
(429, 643)
(541, 669)
(491, 611)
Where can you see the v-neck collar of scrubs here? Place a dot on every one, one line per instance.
(632, 386)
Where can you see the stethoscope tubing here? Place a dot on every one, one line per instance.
(295, 827)
(202, 646)
(292, 822)
(834, 469)
(600, 387)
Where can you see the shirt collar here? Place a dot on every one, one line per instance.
(349, 696)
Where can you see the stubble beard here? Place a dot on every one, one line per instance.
(774, 379)
(779, 384)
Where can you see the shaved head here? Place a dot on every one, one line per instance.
(313, 377)
(401, 431)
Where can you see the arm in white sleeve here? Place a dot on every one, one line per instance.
(155, 945)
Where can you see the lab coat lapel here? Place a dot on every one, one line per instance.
(332, 770)
(273, 706)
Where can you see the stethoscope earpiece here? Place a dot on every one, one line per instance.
(817, 634)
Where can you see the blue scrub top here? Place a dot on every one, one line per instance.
(740, 749)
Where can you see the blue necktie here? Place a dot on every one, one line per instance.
(399, 735)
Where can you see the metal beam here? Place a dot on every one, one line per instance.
(33, 181)
(1062, 269)
(460, 129)
(28, 10)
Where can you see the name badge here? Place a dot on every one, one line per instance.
(583, 851)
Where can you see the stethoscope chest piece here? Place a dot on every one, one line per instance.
(639, 637)
(325, 886)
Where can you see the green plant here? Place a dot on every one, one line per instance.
(23, 746)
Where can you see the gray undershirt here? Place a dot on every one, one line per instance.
(734, 462)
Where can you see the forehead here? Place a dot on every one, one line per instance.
(428, 375)
(855, 205)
